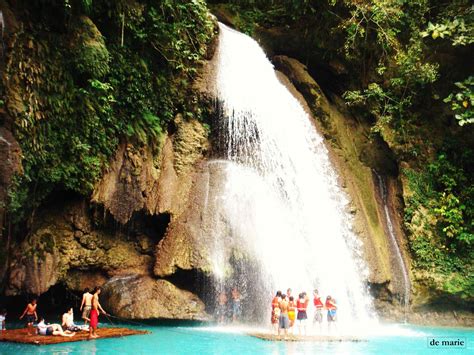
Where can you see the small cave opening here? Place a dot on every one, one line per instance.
(153, 226)
(57, 300)
(196, 282)
(381, 292)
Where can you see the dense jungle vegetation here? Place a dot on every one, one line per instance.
(88, 74)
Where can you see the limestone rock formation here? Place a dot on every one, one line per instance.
(157, 182)
(64, 247)
(188, 242)
(142, 297)
(304, 83)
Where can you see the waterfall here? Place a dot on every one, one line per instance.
(393, 240)
(282, 206)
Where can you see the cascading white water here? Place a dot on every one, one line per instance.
(281, 198)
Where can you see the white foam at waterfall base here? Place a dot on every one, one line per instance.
(377, 330)
(281, 197)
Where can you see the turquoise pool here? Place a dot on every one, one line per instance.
(391, 339)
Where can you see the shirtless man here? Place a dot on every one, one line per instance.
(284, 322)
(86, 304)
(94, 317)
(31, 316)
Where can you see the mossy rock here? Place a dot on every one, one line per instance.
(190, 143)
(89, 54)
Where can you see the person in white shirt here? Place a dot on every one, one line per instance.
(3, 316)
(68, 321)
(52, 329)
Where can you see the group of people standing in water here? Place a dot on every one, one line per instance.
(285, 311)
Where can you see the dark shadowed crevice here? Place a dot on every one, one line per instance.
(196, 282)
(141, 223)
(154, 226)
(57, 300)
(380, 291)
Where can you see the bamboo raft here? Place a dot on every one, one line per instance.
(312, 338)
(21, 336)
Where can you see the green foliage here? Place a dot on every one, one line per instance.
(379, 28)
(145, 102)
(66, 132)
(453, 204)
(458, 284)
(89, 53)
(146, 129)
(73, 94)
(247, 17)
(178, 31)
(462, 101)
(439, 216)
(459, 29)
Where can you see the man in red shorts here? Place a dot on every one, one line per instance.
(94, 317)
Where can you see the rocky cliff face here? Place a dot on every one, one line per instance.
(136, 297)
(79, 243)
(139, 180)
(74, 240)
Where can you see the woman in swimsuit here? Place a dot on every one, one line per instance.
(292, 312)
(331, 308)
(302, 316)
(276, 310)
(318, 314)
